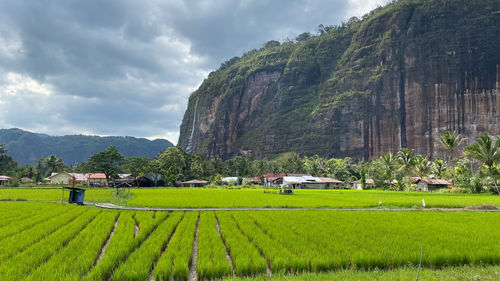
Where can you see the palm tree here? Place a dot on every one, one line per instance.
(389, 162)
(487, 151)
(422, 166)
(406, 159)
(54, 164)
(450, 142)
(439, 167)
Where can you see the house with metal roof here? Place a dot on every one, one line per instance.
(67, 178)
(4, 180)
(96, 179)
(310, 182)
(432, 184)
(194, 183)
(357, 184)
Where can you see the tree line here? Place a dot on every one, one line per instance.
(476, 169)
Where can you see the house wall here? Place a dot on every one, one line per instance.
(357, 186)
(60, 179)
(314, 185)
(102, 182)
(422, 186)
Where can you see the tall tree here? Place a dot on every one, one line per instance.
(54, 164)
(389, 163)
(107, 162)
(486, 150)
(7, 163)
(174, 164)
(439, 167)
(422, 166)
(406, 159)
(450, 141)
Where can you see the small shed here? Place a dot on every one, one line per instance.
(4, 180)
(194, 183)
(76, 195)
(96, 179)
(357, 184)
(432, 184)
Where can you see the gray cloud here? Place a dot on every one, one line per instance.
(123, 67)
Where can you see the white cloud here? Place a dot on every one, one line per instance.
(123, 67)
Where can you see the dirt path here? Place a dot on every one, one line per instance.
(228, 257)
(193, 270)
(117, 207)
(103, 250)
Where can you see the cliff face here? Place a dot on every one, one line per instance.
(397, 78)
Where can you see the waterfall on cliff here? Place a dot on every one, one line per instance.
(189, 147)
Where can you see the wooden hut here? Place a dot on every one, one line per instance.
(194, 183)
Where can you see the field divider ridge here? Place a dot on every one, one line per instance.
(228, 256)
(193, 274)
(108, 239)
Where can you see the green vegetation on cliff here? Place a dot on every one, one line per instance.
(356, 89)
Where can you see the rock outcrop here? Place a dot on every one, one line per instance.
(397, 78)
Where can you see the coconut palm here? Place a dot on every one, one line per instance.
(406, 160)
(54, 164)
(389, 163)
(450, 142)
(486, 150)
(422, 166)
(439, 167)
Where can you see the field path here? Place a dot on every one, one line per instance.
(118, 207)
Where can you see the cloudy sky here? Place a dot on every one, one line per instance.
(120, 67)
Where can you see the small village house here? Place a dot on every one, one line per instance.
(432, 184)
(60, 178)
(125, 180)
(357, 184)
(194, 183)
(310, 182)
(5, 180)
(96, 179)
(254, 180)
(272, 179)
(67, 178)
(230, 180)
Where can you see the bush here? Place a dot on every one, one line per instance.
(13, 183)
(459, 190)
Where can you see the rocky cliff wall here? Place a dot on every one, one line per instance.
(397, 78)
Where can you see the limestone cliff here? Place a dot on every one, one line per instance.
(397, 78)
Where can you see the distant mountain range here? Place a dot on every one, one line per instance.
(26, 147)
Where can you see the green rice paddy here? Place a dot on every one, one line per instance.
(227, 198)
(50, 241)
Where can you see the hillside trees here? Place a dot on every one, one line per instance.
(107, 162)
(486, 150)
(7, 163)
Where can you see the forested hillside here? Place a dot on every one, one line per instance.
(26, 147)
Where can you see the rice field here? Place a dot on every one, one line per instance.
(49, 241)
(225, 198)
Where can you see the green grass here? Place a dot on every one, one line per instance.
(220, 198)
(227, 198)
(64, 242)
(461, 273)
(53, 194)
